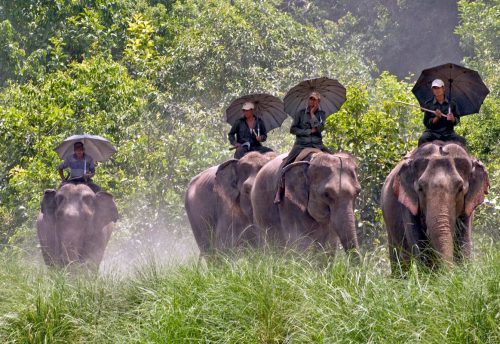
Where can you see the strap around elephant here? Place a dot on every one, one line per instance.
(288, 167)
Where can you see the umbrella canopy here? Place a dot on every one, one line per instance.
(99, 148)
(332, 95)
(462, 85)
(267, 107)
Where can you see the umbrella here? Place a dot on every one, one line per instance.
(267, 107)
(99, 148)
(462, 85)
(332, 95)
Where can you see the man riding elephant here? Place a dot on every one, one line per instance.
(440, 122)
(248, 133)
(307, 126)
(81, 167)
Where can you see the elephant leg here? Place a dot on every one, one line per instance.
(296, 232)
(463, 238)
(416, 240)
(400, 259)
(95, 245)
(398, 268)
(71, 247)
(399, 249)
(69, 254)
(50, 251)
(332, 242)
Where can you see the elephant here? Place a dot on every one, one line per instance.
(217, 203)
(317, 208)
(428, 203)
(74, 225)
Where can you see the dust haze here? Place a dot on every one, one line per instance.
(162, 245)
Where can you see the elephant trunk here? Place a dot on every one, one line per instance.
(440, 231)
(343, 223)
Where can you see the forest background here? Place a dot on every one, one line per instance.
(154, 77)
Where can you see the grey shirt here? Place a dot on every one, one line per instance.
(78, 167)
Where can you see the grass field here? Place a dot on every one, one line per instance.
(253, 299)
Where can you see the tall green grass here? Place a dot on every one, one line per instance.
(253, 299)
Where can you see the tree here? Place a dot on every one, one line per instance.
(378, 132)
(478, 31)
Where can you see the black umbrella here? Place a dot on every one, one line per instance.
(333, 95)
(462, 85)
(267, 107)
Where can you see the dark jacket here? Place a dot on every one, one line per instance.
(443, 125)
(241, 133)
(302, 126)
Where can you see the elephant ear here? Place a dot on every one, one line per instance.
(226, 180)
(105, 211)
(48, 205)
(46, 229)
(478, 187)
(297, 184)
(403, 187)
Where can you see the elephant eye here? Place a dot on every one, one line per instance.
(88, 199)
(328, 195)
(459, 185)
(420, 186)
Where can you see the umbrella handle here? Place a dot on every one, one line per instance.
(422, 108)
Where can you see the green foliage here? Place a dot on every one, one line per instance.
(140, 46)
(478, 30)
(11, 53)
(378, 132)
(219, 51)
(7, 227)
(50, 34)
